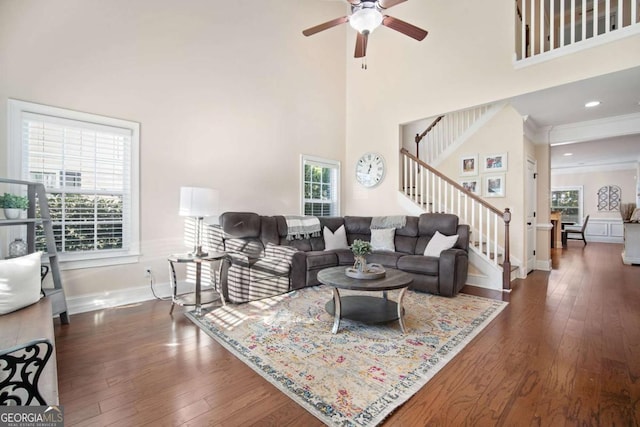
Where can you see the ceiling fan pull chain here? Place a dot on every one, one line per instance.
(364, 63)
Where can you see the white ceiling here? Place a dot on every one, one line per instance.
(619, 94)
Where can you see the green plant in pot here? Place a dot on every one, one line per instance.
(13, 205)
(360, 249)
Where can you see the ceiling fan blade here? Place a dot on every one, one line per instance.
(361, 45)
(386, 4)
(325, 26)
(404, 27)
(357, 2)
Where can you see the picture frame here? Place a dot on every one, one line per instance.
(495, 162)
(494, 185)
(469, 165)
(473, 185)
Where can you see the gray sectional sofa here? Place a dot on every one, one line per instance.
(262, 252)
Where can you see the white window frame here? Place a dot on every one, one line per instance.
(328, 163)
(580, 190)
(72, 260)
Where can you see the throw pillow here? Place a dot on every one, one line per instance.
(19, 282)
(383, 239)
(337, 240)
(438, 243)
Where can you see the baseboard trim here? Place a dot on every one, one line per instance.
(544, 265)
(100, 300)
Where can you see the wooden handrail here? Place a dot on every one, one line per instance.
(505, 215)
(419, 136)
(453, 183)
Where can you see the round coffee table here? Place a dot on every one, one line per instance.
(365, 308)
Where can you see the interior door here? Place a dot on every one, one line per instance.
(530, 203)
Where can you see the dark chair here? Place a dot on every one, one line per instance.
(574, 232)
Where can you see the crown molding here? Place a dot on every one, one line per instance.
(609, 127)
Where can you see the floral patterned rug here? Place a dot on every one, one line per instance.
(358, 376)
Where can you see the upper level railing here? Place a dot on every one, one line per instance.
(544, 26)
(435, 192)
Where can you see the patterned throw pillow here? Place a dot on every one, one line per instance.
(382, 239)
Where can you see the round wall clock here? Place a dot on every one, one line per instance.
(370, 169)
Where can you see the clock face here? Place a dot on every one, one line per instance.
(370, 169)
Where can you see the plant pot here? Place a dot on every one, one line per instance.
(12, 213)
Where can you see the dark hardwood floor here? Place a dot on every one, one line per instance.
(566, 351)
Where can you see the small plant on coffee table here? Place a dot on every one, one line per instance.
(360, 249)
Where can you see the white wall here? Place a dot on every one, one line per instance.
(603, 226)
(229, 94)
(466, 60)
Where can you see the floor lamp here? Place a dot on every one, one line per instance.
(198, 203)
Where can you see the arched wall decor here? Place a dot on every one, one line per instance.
(609, 198)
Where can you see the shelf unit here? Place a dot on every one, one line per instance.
(36, 193)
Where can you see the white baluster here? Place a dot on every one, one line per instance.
(495, 233)
(532, 28)
(542, 26)
(584, 20)
(595, 17)
(562, 23)
(552, 18)
(620, 13)
(523, 30)
(480, 231)
(607, 17)
(573, 21)
(634, 12)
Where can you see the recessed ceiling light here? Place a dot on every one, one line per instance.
(592, 104)
(568, 154)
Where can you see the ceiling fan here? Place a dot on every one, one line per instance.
(366, 16)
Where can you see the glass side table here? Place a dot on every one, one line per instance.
(198, 297)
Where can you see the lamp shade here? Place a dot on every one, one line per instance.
(198, 201)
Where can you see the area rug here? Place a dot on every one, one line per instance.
(358, 376)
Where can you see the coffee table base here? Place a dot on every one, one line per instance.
(365, 309)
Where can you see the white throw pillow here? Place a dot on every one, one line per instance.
(19, 282)
(438, 243)
(337, 240)
(382, 239)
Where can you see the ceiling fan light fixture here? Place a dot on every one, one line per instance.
(365, 20)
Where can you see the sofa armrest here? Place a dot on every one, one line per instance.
(452, 271)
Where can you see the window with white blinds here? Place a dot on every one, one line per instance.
(320, 187)
(88, 165)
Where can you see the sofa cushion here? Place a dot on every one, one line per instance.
(321, 259)
(248, 246)
(382, 239)
(285, 253)
(240, 224)
(337, 240)
(388, 259)
(345, 256)
(438, 243)
(419, 264)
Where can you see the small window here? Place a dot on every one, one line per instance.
(568, 201)
(89, 167)
(320, 187)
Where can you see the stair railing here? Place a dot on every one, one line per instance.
(435, 192)
(444, 131)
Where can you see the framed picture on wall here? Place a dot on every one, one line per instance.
(494, 185)
(472, 185)
(495, 162)
(469, 165)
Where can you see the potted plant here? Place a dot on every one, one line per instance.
(13, 205)
(360, 249)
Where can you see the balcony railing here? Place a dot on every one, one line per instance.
(545, 27)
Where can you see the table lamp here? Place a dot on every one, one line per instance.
(198, 202)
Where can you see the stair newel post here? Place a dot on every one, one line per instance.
(506, 266)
